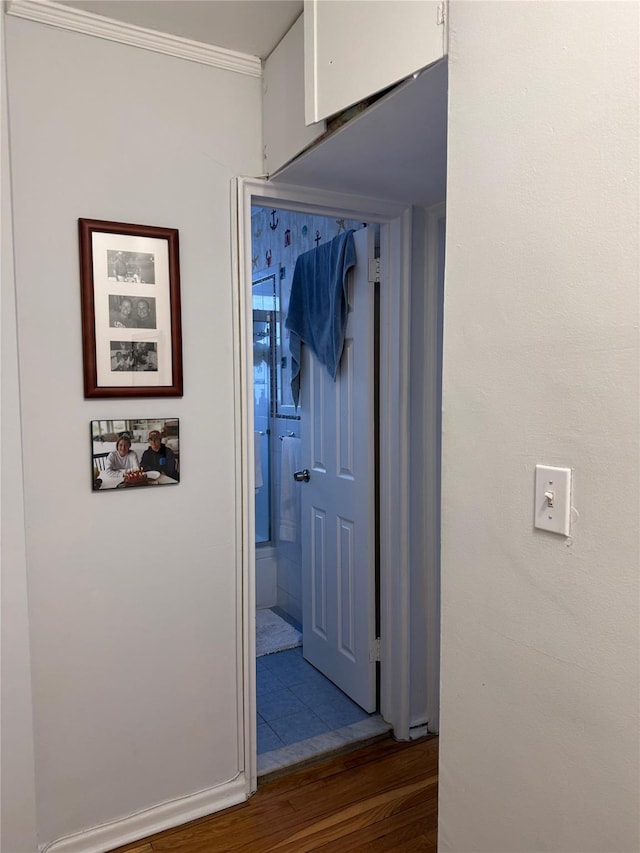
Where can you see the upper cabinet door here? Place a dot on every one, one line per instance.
(355, 48)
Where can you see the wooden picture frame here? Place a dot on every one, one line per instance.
(131, 321)
(128, 453)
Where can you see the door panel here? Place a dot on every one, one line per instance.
(319, 573)
(338, 508)
(352, 50)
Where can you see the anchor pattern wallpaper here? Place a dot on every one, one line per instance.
(277, 238)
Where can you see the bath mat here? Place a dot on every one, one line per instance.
(273, 634)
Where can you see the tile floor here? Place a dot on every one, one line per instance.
(301, 713)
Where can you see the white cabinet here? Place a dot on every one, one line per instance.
(354, 48)
(283, 120)
(338, 53)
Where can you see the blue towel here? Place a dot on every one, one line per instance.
(318, 306)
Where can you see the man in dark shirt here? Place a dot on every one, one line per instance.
(120, 316)
(158, 457)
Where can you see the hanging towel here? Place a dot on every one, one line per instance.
(318, 305)
(257, 460)
(289, 490)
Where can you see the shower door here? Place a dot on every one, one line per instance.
(264, 377)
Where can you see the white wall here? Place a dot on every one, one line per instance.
(539, 711)
(132, 597)
(18, 815)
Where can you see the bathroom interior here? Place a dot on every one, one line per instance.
(300, 713)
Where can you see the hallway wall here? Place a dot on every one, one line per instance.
(540, 694)
(129, 594)
(133, 597)
(18, 813)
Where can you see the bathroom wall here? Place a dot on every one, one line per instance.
(278, 237)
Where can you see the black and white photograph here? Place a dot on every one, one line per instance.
(134, 355)
(129, 454)
(132, 312)
(131, 317)
(133, 267)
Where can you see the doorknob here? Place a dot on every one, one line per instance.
(302, 476)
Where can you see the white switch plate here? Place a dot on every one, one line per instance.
(556, 482)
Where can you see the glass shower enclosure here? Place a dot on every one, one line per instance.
(265, 344)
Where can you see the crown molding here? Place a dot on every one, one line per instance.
(87, 23)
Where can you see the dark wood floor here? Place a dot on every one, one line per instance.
(382, 797)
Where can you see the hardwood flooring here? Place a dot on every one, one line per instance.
(380, 799)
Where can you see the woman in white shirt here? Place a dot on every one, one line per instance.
(122, 459)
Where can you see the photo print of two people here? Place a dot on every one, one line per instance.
(132, 312)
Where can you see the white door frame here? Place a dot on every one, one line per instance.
(431, 417)
(395, 249)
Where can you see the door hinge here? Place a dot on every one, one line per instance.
(442, 14)
(374, 651)
(374, 270)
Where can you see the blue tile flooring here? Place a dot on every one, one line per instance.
(296, 702)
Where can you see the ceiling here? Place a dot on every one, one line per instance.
(396, 149)
(247, 26)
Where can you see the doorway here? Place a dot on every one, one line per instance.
(304, 710)
(395, 221)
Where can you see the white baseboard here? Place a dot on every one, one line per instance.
(108, 836)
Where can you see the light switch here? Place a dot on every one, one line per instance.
(552, 509)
